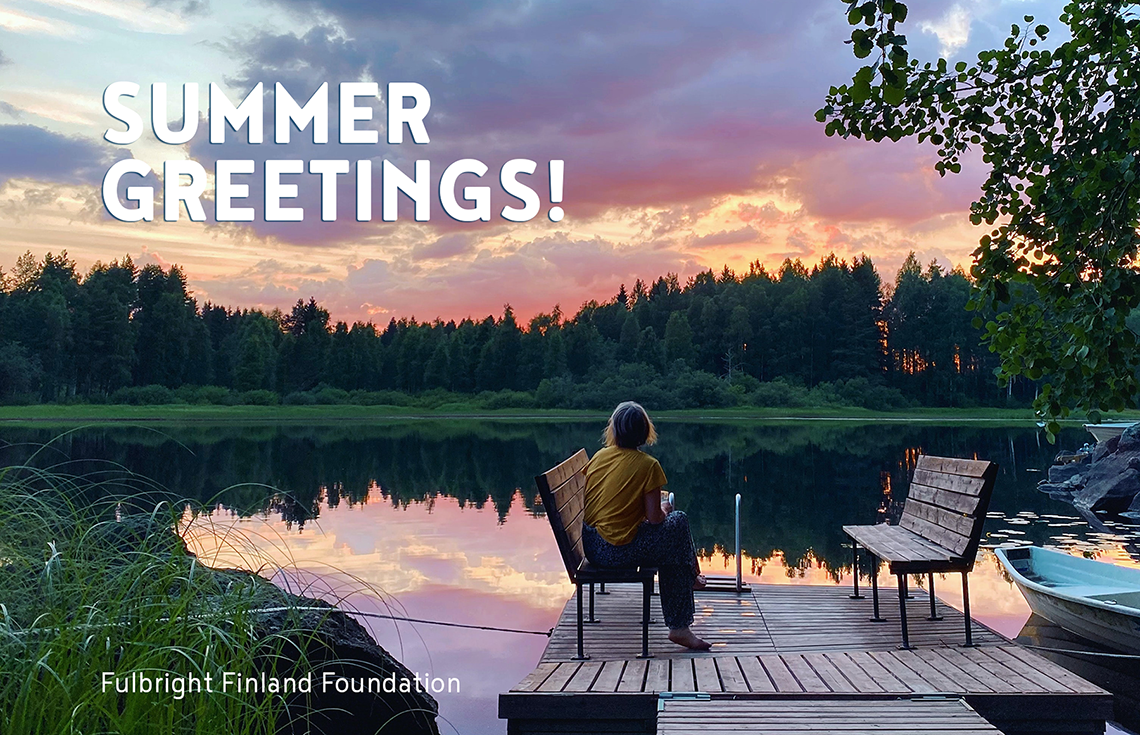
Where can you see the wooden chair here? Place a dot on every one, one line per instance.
(563, 493)
(940, 530)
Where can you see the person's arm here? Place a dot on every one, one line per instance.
(655, 507)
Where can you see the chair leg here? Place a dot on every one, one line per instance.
(933, 610)
(966, 610)
(602, 589)
(902, 611)
(581, 647)
(855, 571)
(876, 618)
(646, 593)
(592, 618)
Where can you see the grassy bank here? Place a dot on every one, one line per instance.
(85, 596)
(53, 414)
(101, 595)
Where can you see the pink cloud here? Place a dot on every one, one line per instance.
(533, 277)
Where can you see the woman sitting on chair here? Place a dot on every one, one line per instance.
(629, 524)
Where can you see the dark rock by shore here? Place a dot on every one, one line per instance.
(1105, 478)
(342, 647)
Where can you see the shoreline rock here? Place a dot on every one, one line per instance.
(1100, 479)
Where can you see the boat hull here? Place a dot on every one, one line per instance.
(1055, 594)
(1118, 632)
(1104, 432)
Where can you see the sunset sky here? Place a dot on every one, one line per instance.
(687, 129)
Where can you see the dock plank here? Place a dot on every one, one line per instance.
(558, 679)
(683, 679)
(657, 677)
(878, 673)
(755, 673)
(826, 670)
(1056, 672)
(584, 677)
(780, 674)
(850, 718)
(633, 678)
(860, 679)
(609, 677)
(731, 678)
(534, 679)
(707, 678)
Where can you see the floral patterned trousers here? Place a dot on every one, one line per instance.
(669, 547)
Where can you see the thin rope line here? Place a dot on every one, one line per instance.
(547, 633)
(1073, 652)
(400, 618)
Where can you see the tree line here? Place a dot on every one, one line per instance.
(831, 334)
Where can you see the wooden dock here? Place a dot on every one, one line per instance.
(803, 647)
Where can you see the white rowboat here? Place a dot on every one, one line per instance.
(1092, 599)
(1104, 432)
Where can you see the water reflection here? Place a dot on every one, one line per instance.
(800, 480)
(439, 520)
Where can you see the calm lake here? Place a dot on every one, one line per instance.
(438, 519)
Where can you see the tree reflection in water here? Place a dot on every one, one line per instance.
(800, 480)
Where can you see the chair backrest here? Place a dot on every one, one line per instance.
(948, 501)
(563, 493)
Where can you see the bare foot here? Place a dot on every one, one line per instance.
(701, 582)
(684, 637)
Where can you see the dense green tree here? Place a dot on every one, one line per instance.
(167, 329)
(499, 357)
(1057, 125)
(679, 339)
(256, 358)
(650, 351)
(39, 314)
(304, 348)
(20, 374)
(104, 336)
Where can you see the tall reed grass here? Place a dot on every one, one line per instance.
(94, 579)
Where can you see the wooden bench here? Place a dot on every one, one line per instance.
(940, 530)
(563, 493)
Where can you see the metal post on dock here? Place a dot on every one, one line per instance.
(739, 553)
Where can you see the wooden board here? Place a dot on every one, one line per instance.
(953, 466)
(971, 486)
(896, 544)
(954, 542)
(902, 716)
(958, 502)
(552, 478)
(569, 492)
(562, 490)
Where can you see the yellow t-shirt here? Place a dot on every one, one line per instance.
(617, 480)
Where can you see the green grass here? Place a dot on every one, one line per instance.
(56, 414)
(94, 579)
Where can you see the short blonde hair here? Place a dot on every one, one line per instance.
(629, 427)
